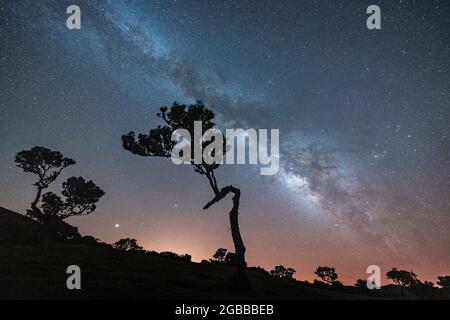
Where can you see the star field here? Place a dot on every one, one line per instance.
(364, 122)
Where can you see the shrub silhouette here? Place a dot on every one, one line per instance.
(127, 244)
(443, 281)
(230, 259)
(402, 278)
(91, 241)
(423, 290)
(360, 283)
(220, 255)
(259, 270)
(158, 143)
(327, 274)
(282, 272)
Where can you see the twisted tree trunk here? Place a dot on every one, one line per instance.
(38, 197)
(36, 214)
(240, 278)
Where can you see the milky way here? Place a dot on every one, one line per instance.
(363, 116)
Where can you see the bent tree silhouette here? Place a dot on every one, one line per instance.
(158, 143)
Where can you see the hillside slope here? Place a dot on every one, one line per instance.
(39, 272)
(15, 227)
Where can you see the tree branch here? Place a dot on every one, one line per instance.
(222, 194)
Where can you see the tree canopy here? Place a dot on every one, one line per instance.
(327, 274)
(402, 278)
(127, 244)
(282, 272)
(45, 163)
(80, 197)
(443, 281)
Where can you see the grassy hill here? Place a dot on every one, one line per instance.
(30, 271)
(15, 227)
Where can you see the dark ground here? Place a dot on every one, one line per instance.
(30, 271)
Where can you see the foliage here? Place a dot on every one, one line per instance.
(127, 244)
(360, 283)
(327, 274)
(80, 196)
(282, 272)
(402, 278)
(259, 270)
(80, 199)
(45, 163)
(220, 255)
(444, 281)
(173, 255)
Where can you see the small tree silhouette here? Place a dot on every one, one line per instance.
(46, 164)
(127, 244)
(402, 278)
(176, 256)
(423, 290)
(327, 274)
(220, 255)
(360, 283)
(230, 259)
(158, 143)
(282, 272)
(443, 281)
(80, 196)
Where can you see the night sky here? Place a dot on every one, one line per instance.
(364, 118)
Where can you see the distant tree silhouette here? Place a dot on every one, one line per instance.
(402, 278)
(337, 283)
(223, 257)
(220, 255)
(173, 255)
(80, 196)
(186, 257)
(423, 290)
(230, 258)
(259, 270)
(443, 281)
(327, 274)
(158, 143)
(282, 272)
(360, 283)
(127, 244)
(46, 164)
